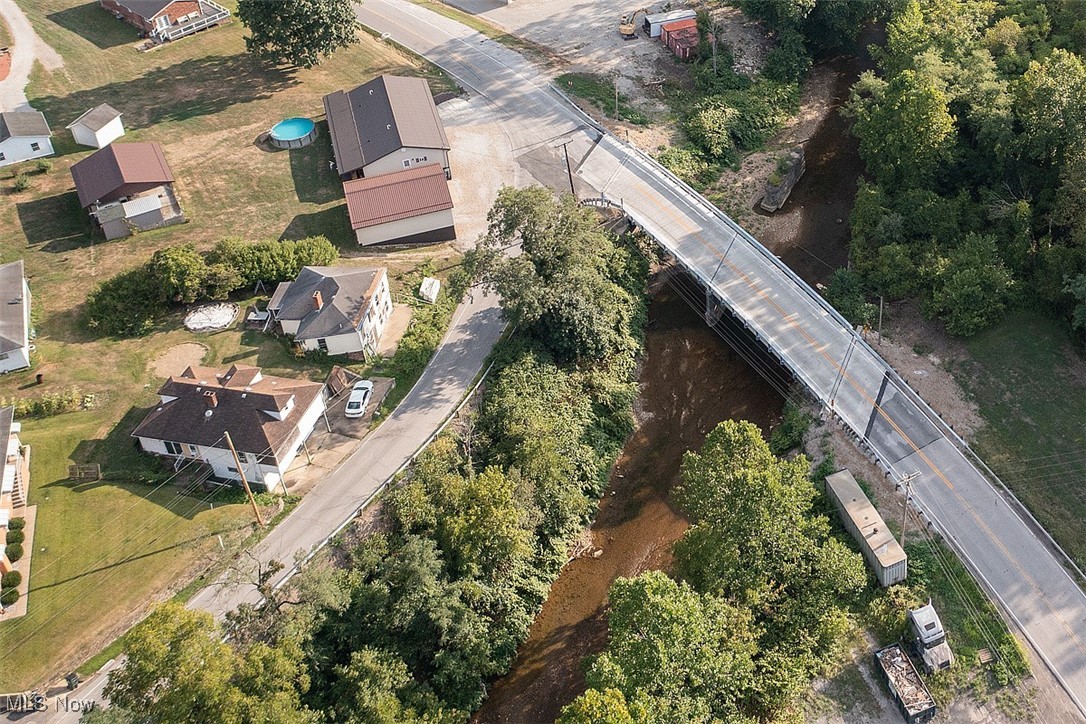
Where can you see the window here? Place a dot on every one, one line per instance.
(322, 344)
(3, 355)
(35, 146)
(2, 157)
(407, 163)
(193, 451)
(162, 22)
(173, 448)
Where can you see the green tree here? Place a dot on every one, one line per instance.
(1050, 102)
(177, 669)
(561, 285)
(298, 32)
(1076, 289)
(972, 286)
(180, 272)
(596, 707)
(679, 655)
(906, 131)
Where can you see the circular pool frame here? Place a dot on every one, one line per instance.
(280, 137)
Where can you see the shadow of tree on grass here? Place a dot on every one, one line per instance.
(191, 88)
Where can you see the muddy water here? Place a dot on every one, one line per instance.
(690, 381)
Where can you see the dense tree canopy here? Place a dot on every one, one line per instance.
(974, 129)
(767, 590)
(567, 284)
(298, 32)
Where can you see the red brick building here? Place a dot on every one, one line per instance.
(168, 19)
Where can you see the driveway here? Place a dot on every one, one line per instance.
(26, 48)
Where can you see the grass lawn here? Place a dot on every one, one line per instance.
(113, 548)
(1030, 386)
(600, 92)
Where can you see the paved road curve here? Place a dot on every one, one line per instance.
(810, 338)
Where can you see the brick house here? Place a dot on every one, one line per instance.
(165, 20)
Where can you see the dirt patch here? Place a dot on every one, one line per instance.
(174, 360)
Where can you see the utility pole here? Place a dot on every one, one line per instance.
(907, 481)
(569, 169)
(880, 318)
(244, 482)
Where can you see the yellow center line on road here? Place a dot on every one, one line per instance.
(651, 196)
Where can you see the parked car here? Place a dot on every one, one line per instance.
(361, 392)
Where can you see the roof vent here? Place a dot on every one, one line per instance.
(371, 91)
(388, 126)
(208, 413)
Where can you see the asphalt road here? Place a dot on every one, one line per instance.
(1017, 567)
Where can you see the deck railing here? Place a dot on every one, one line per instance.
(216, 15)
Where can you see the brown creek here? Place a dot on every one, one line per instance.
(690, 381)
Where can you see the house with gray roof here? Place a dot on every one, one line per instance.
(98, 127)
(388, 124)
(24, 135)
(14, 318)
(268, 418)
(338, 310)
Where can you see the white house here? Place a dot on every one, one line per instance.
(24, 135)
(14, 318)
(268, 418)
(388, 124)
(340, 310)
(14, 477)
(412, 206)
(98, 127)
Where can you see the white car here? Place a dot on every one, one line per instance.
(359, 399)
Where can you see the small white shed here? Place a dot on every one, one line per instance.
(654, 23)
(98, 127)
(23, 135)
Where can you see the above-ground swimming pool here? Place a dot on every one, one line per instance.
(293, 133)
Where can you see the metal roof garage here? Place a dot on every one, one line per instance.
(412, 206)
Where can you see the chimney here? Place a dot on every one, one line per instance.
(212, 399)
(318, 300)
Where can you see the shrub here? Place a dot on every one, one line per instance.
(14, 551)
(11, 580)
(687, 163)
(22, 183)
(16, 523)
(272, 261)
(15, 536)
(9, 597)
(125, 306)
(43, 166)
(54, 403)
(789, 61)
(788, 435)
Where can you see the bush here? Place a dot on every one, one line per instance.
(16, 523)
(54, 403)
(789, 61)
(125, 306)
(15, 536)
(689, 164)
(740, 119)
(14, 551)
(272, 261)
(43, 166)
(11, 580)
(22, 183)
(788, 435)
(9, 597)
(845, 292)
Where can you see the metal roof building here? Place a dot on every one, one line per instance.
(388, 124)
(409, 206)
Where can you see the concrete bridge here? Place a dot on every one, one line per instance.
(1016, 561)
